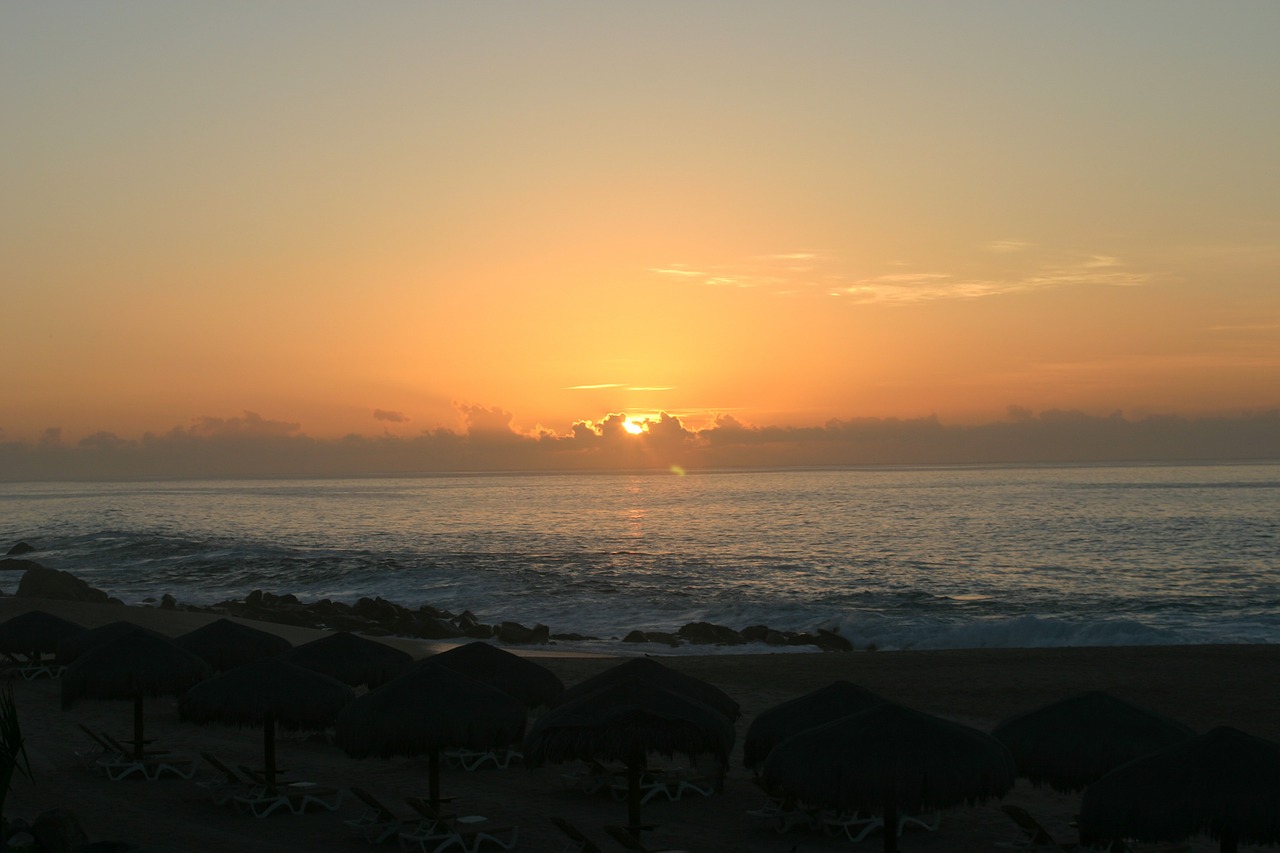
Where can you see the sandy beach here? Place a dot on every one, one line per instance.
(1203, 686)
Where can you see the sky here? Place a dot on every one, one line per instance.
(336, 220)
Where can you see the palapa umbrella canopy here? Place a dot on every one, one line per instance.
(268, 693)
(651, 672)
(75, 645)
(1224, 784)
(34, 633)
(225, 644)
(530, 682)
(350, 658)
(132, 666)
(625, 722)
(891, 759)
(428, 709)
(1072, 743)
(776, 724)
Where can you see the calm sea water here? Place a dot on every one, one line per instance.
(937, 558)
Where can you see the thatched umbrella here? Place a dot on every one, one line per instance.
(426, 710)
(34, 633)
(892, 760)
(350, 658)
(1224, 784)
(1072, 743)
(530, 682)
(225, 644)
(131, 666)
(774, 725)
(268, 693)
(625, 722)
(651, 672)
(75, 645)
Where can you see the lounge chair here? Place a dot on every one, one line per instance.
(854, 826)
(470, 759)
(121, 763)
(681, 782)
(94, 757)
(1037, 835)
(225, 783)
(629, 842)
(263, 800)
(578, 843)
(653, 783)
(783, 816)
(378, 822)
(591, 777)
(438, 832)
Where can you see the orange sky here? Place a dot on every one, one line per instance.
(365, 221)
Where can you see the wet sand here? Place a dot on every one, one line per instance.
(1202, 686)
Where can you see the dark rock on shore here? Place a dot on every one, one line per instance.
(379, 617)
(9, 564)
(40, 582)
(652, 637)
(20, 549)
(704, 632)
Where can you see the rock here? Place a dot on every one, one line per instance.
(702, 633)
(51, 583)
(776, 638)
(755, 633)
(514, 632)
(20, 549)
(479, 631)
(8, 564)
(830, 641)
(253, 599)
(431, 628)
(168, 602)
(651, 637)
(58, 831)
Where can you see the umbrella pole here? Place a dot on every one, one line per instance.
(138, 752)
(633, 797)
(433, 776)
(269, 751)
(891, 828)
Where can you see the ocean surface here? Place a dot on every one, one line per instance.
(914, 558)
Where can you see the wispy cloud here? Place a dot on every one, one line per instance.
(594, 387)
(1006, 247)
(797, 273)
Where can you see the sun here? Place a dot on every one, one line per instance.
(633, 427)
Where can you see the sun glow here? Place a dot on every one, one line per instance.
(633, 427)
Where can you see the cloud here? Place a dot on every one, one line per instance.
(594, 387)
(390, 417)
(249, 424)
(491, 444)
(1006, 247)
(791, 274)
(487, 421)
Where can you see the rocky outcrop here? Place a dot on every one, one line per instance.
(20, 549)
(701, 633)
(40, 582)
(379, 617)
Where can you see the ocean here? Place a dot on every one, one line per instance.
(890, 558)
